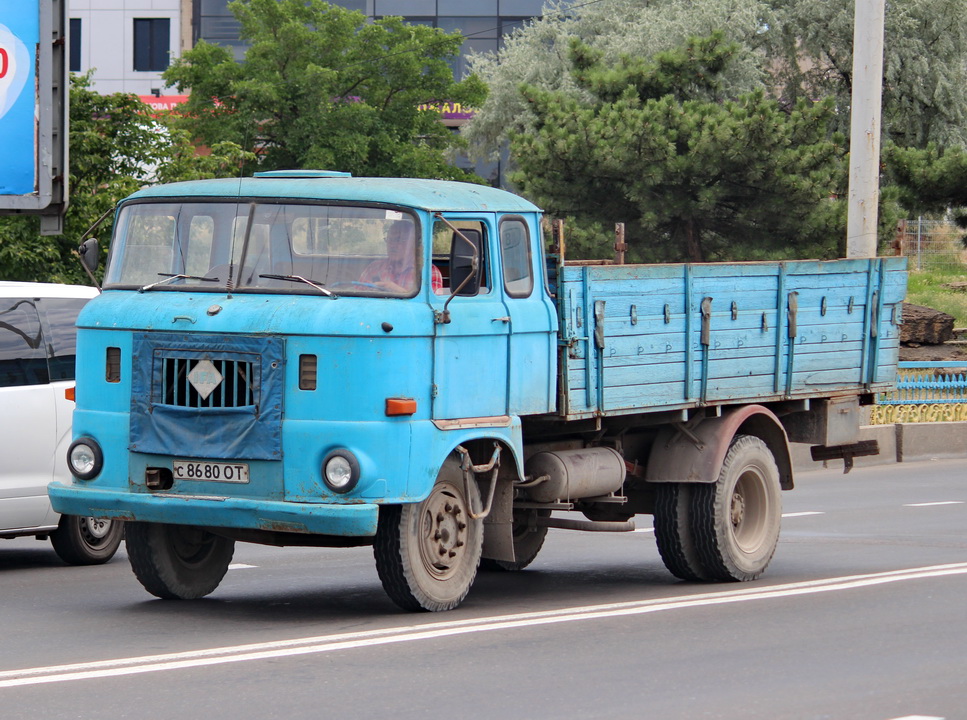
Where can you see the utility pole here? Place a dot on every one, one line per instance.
(864, 171)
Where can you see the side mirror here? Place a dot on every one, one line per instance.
(465, 262)
(90, 258)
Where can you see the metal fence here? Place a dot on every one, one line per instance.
(925, 392)
(932, 245)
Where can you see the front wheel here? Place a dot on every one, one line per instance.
(736, 518)
(427, 552)
(86, 540)
(177, 562)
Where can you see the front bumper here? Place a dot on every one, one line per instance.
(356, 520)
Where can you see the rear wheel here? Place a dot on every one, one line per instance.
(736, 518)
(427, 553)
(86, 540)
(673, 531)
(177, 562)
(528, 541)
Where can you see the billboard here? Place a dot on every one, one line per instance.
(33, 108)
(19, 35)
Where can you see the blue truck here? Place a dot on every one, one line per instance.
(308, 358)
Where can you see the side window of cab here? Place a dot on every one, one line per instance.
(453, 253)
(515, 257)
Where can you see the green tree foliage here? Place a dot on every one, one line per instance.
(694, 175)
(322, 87)
(930, 180)
(116, 147)
(538, 55)
(810, 45)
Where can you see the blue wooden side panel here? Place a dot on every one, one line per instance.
(659, 337)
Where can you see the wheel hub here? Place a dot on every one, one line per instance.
(96, 528)
(444, 533)
(738, 509)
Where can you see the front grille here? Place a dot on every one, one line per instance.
(234, 390)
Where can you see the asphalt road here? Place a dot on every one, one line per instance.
(862, 615)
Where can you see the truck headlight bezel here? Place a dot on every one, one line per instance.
(340, 471)
(85, 459)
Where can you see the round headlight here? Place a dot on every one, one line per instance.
(340, 470)
(84, 458)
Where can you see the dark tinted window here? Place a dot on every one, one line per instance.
(75, 45)
(152, 40)
(61, 317)
(22, 353)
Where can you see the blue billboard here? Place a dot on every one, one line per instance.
(19, 113)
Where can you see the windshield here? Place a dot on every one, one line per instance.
(258, 246)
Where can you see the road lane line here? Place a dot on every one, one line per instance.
(802, 514)
(241, 566)
(430, 631)
(932, 504)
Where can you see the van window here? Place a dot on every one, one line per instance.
(23, 358)
(61, 317)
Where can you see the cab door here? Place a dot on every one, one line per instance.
(532, 380)
(471, 351)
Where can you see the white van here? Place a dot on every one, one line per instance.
(37, 348)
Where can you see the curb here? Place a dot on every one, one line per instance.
(900, 442)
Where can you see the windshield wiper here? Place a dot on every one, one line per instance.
(169, 277)
(298, 278)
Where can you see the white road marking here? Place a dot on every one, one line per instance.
(240, 566)
(803, 514)
(932, 504)
(435, 630)
(919, 717)
(644, 530)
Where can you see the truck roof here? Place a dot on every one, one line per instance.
(431, 195)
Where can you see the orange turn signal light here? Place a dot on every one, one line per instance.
(400, 406)
(69, 393)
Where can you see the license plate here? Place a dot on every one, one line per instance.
(210, 471)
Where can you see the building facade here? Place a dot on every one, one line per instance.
(482, 22)
(127, 44)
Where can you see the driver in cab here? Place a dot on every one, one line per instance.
(397, 272)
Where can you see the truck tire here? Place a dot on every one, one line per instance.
(673, 532)
(177, 562)
(528, 541)
(427, 553)
(736, 518)
(86, 540)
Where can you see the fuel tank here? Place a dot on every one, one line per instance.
(575, 474)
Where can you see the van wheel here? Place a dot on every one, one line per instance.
(177, 562)
(427, 553)
(528, 541)
(736, 518)
(673, 531)
(86, 540)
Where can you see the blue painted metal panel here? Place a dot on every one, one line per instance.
(432, 195)
(775, 330)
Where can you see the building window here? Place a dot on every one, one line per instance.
(75, 45)
(151, 44)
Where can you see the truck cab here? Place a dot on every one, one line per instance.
(276, 359)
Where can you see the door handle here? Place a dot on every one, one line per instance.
(504, 319)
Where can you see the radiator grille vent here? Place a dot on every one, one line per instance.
(233, 386)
